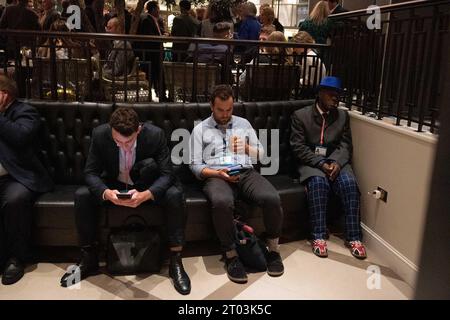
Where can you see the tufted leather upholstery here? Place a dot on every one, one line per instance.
(65, 138)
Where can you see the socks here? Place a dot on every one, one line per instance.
(273, 245)
(175, 252)
(231, 254)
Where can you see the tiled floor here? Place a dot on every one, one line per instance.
(306, 277)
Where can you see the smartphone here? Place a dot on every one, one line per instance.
(124, 195)
(233, 173)
(237, 167)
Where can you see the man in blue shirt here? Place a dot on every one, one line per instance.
(218, 143)
(249, 30)
(250, 27)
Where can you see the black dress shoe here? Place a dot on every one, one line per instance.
(13, 272)
(180, 279)
(2, 266)
(87, 266)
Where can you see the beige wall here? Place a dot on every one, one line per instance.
(400, 161)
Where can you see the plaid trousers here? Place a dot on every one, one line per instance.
(318, 192)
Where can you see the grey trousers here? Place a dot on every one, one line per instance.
(251, 187)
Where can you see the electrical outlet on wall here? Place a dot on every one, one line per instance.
(384, 194)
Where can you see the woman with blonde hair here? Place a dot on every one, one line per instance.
(275, 53)
(275, 22)
(317, 24)
(312, 68)
(266, 31)
(271, 55)
(267, 17)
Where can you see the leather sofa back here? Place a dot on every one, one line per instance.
(67, 126)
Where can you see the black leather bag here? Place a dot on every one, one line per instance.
(251, 250)
(134, 248)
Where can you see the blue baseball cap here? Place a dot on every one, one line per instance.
(333, 83)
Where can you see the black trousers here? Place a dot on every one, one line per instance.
(16, 213)
(251, 187)
(87, 207)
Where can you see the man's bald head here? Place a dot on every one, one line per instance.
(114, 26)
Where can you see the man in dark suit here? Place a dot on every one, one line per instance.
(22, 179)
(116, 150)
(321, 139)
(19, 17)
(149, 51)
(183, 25)
(335, 7)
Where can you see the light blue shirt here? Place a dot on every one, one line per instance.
(210, 145)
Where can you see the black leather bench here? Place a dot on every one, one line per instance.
(64, 143)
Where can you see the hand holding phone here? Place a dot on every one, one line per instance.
(237, 167)
(233, 173)
(123, 196)
(234, 170)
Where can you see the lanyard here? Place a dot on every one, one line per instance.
(322, 132)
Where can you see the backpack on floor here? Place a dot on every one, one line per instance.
(251, 250)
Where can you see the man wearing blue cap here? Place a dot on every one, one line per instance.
(321, 140)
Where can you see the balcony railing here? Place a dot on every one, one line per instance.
(179, 69)
(396, 70)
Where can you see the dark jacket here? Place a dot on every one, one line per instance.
(102, 164)
(19, 17)
(19, 127)
(119, 62)
(249, 29)
(50, 17)
(183, 26)
(306, 125)
(339, 9)
(278, 25)
(147, 26)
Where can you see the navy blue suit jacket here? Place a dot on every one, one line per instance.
(19, 127)
(102, 164)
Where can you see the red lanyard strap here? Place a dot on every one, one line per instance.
(322, 132)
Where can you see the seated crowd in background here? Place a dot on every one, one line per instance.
(119, 57)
